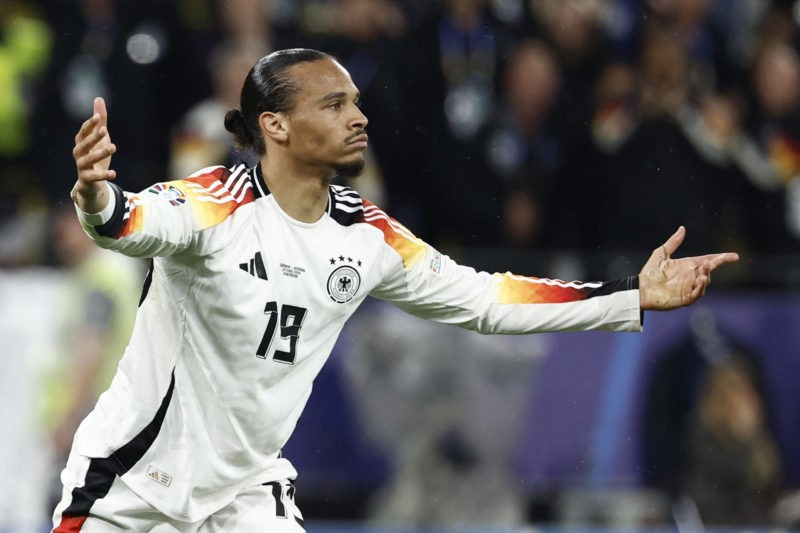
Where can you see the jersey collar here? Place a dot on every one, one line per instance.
(260, 189)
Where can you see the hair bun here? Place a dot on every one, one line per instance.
(234, 123)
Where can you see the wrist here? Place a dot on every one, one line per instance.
(643, 302)
(91, 197)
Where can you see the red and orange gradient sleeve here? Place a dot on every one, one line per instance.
(513, 289)
(204, 195)
(411, 249)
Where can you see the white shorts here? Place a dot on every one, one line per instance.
(263, 508)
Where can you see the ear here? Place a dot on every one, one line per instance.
(274, 126)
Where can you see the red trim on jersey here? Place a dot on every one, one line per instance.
(222, 174)
(70, 524)
(375, 216)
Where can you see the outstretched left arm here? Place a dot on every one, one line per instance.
(666, 283)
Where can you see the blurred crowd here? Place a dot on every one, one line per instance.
(589, 125)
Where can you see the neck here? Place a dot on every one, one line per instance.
(301, 193)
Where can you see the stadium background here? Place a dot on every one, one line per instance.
(559, 138)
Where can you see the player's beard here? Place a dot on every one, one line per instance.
(350, 169)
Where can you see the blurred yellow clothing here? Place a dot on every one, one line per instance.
(24, 51)
(100, 299)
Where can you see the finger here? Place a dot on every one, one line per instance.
(92, 153)
(674, 241)
(100, 109)
(718, 260)
(87, 127)
(86, 162)
(705, 278)
(96, 175)
(92, 140)
(698, 289)
(91, 176)
(714, 260)
(655, 258)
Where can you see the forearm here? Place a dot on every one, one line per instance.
(511, 304)
(122, 225)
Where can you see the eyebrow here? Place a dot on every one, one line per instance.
(337, 95)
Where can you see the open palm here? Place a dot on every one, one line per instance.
(92, 153)
(666, 283)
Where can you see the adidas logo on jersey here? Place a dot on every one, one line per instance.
(255, 267)
(158, 476)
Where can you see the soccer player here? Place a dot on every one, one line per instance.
(255, 272)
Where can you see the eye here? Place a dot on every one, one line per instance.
(335, 105)
(357, 102)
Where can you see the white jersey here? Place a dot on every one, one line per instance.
(241, 310)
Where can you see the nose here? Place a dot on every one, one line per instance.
(359, 120)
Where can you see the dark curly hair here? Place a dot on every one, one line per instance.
(267, 88)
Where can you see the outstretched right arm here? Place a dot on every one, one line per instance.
(92, 153)
(164, 219)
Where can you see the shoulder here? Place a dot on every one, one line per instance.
(215, 193)
(212, 194)
(346, 206)
(221, 185)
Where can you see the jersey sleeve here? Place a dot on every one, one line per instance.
(168, 218)
(422, 281)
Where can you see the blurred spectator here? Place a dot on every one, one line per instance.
(664, 67)
(200, 139)
(733, 468)
(707, 432)
(615, 116)
(98, 308)
(715, 130)
(358, 21)
(690, 23)
(577, 46)
(774, 125)
(522, 153)
(25, 46)
(246, 20)
(451, 66)
(574, 29)
(25, 50)
(739, 23)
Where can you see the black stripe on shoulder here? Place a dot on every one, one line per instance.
(114, 225)
(345, 205)
(616, 285)
(103, 470)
